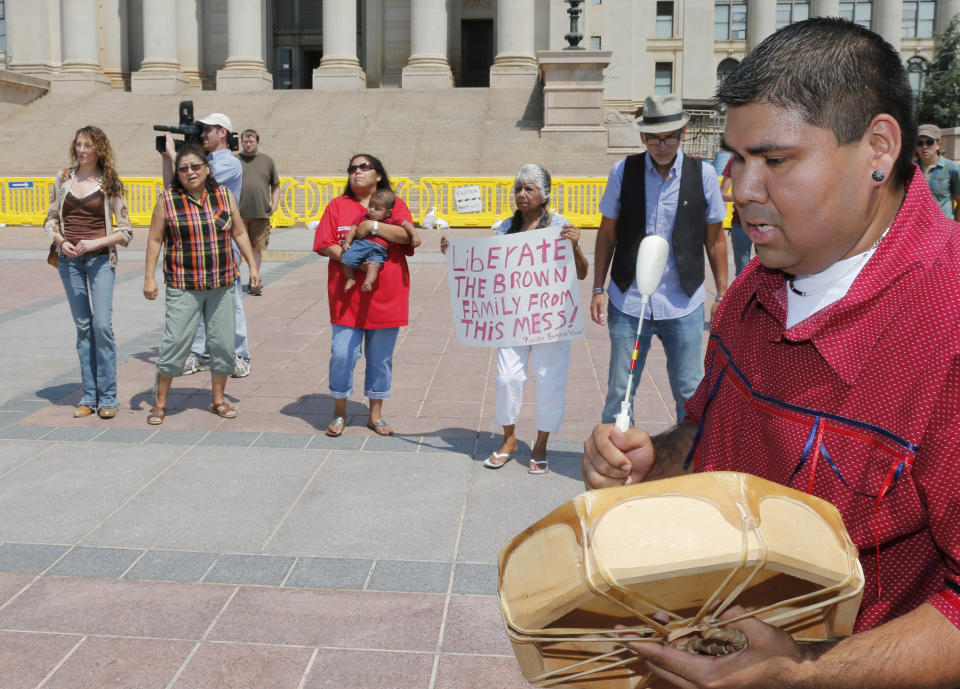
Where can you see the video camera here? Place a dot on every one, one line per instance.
(190, 129)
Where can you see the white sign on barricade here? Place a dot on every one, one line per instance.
(515, 289)
(468, 199)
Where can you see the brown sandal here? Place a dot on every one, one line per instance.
(156, 415)
(223, 410)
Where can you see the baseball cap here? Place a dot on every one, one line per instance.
(217, 119)
(931, 130)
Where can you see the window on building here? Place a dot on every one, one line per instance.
(596, 2)
(730, 20)
(857, 12)
(725, 69)
(917, 74)
(663, 78)
(595, 43)
(791, 12)
(917, 19)
(664, 20)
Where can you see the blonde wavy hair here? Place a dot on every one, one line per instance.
(112, 186)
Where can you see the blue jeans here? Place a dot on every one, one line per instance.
(346, 346)
(683, 343)
(88, 283)
(199, 347)
(741, 247)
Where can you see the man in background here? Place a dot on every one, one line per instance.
(943, 175)
(261, 194)
(677, 197)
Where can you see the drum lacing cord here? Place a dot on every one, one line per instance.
(699, 623)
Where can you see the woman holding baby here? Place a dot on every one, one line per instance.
(365, 321)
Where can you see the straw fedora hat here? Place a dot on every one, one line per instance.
(662, 114)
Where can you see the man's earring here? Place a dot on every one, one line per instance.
(879, 176)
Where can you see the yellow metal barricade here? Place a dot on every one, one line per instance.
(141, 194)
(441, 193)
(24, 200)
(285, 214)
(578, 199)
(316, 193)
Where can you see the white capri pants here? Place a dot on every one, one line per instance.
(548, 364)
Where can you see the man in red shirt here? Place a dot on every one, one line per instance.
(834, 364)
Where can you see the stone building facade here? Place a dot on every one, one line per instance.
(172, 46)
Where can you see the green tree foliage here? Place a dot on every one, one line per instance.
(939, 102)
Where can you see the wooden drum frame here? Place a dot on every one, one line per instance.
(687, 548)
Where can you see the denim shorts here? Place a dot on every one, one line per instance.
(363, 251)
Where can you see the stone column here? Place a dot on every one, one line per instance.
(697, 83)
(761, 22)
(515, 65)
(887, 17)
(114, 50)
(188, 41)
(159, 71)
(825, 8)
(946, 10)
(80, 71)
(34, 45)
(339, 68)
(427, 67)
(244, 70)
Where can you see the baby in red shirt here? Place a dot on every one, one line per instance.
(370, 251)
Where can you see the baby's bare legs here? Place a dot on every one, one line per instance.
(372, 270)
(351, 282)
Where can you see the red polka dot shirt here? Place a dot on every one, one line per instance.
(858, 404)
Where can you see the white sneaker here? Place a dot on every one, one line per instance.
(193, 365)
(312, 225)
(241, 368)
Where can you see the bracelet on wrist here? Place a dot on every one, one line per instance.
(718, 298)
(597, 290)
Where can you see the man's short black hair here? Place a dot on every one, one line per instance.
(836, 74)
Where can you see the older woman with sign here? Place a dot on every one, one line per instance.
(548, 360)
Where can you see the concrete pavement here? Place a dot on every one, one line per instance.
(256, 552)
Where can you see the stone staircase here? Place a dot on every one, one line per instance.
(460, 132)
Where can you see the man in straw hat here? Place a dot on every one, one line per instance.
(834, 361)
(666, 193)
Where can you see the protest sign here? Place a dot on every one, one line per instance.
(514, 289)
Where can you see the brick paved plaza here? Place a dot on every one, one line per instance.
(257, 552)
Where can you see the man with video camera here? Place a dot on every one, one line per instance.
(216, 137)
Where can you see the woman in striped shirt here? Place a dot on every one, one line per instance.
(196, 218)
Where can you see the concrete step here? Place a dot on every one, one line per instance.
(464, 131)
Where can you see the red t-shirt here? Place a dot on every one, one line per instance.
(858, 404)
(387, 304)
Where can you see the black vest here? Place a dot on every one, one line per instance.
(688, 228)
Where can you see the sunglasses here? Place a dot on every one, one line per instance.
(671, 140)
(925, 142)
(193, 168)
(363, 167)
